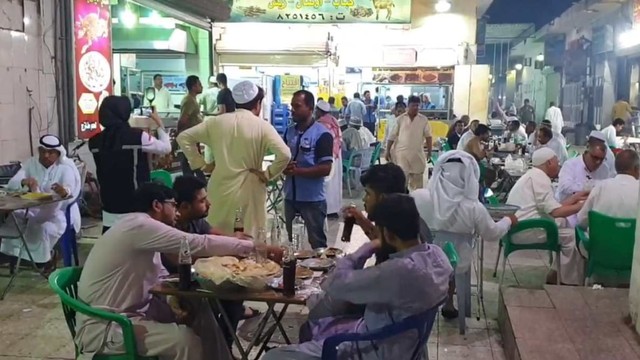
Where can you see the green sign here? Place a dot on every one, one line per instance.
(321, 11)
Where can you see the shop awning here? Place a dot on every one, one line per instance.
(199, 13)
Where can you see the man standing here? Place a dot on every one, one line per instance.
(372, 107)
(162, 101)
(408, 142)
(226, 103)
(343, 110)
(209, 98)
(554, 114)
(334, 111)
(312, 147)
(622, 110)
(527, 112)
(356, 108)
(239, 142)
(189, 117)
(611, 132)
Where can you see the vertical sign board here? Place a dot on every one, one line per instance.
(92, 62)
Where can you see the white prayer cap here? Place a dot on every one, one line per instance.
(355, 121)
(542, 155)
(597, 135)
(244, 92)
(342, 122)
(212, 79)
(323, 105)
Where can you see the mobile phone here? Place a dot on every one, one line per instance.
(146, 111)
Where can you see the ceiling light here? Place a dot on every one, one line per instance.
(443, 6)
(518, 67)
(26, 21)
(540, 57)
(128, 18)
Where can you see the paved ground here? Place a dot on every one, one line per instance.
(33, 325)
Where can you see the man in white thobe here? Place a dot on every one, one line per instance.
(554, 114)
(352, 138)
(209, 98)
(121, 269)
(611, 133)
(582, 173)
(239, 141)
(51, 171)
(617, 197)
(162, 102)
(546, 138)
(468, 135)
(533, 193)
(407, 144)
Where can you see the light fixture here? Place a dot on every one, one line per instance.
(629, 38)
(490, 77)
(154, 15)
(26, 21)
(518, 67)
(540, 57)
(443, 6)
(128, 18)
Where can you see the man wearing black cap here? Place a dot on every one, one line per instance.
(51, 171)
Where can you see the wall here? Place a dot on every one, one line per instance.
(26, 75)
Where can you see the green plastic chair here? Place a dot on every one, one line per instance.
(450, 250)
(64, 283)
(610, 245)
(375, 158)
(552, 244)
(492, 200)
(163, 177)
(446, 147)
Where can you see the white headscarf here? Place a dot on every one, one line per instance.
(52, 142)
(451, 183)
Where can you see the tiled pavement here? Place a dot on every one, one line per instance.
(33, 325)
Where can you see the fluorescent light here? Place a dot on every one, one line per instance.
(129, 19)
(518, 67)
(540, 57)
(443, 6)
(629, 38)
(26, 20)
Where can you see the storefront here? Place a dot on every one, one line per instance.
(120, 46)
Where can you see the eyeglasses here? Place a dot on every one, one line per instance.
(171, 202)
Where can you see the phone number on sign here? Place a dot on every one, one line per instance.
(311, 17)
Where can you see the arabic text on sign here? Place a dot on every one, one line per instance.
(322, 17)
(316, 4)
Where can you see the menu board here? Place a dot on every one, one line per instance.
(92, 61)
(412, 75)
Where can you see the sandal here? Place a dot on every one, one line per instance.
(449, 314)
(253, 314)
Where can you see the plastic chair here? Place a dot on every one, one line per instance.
(64, 283)
(68, 241)
(348, 162)
(163, 177)
(610, 245)
(358, 163)
(552, 243)
(421, 323)
(375, 157)
(450, 250)
(439, 129)
(446, 147)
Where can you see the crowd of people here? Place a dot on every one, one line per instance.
(406, 222)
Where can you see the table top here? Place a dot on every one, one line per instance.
(12, 202)
(268, 296)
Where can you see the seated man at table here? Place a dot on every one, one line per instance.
(424, 271)
(478, 143)
(617, 197)
(51, 171)
(581, 173)
(193, 206)
(546, 138)
(378, 182)
(121, 269)
(533, 194)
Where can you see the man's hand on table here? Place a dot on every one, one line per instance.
(31, 183)
(59, 190)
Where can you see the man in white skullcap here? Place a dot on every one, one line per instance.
(333, 182)
(534, 195)
(583, 172)
(239, 141)
(209, 98)
(51, 171)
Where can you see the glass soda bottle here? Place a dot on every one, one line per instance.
(238, 223)
(184, 265)
(289, 263)
(349, 222)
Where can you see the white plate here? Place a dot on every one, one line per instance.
(318, 264)
(94, 71)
